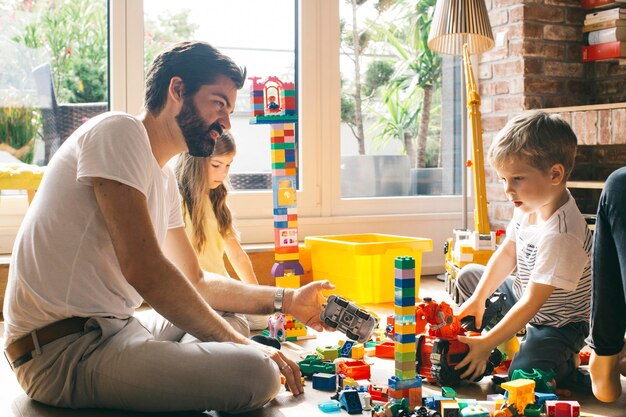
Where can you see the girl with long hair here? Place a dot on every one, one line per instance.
(203, 185)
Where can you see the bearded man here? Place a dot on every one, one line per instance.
(105, 232)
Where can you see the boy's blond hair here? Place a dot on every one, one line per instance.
(540, 139)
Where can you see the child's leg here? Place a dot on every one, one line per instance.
(468, 278)
(551, 348)
(608, 308)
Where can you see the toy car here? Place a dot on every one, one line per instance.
(345, 316)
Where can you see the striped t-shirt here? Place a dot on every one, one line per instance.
(556, 253)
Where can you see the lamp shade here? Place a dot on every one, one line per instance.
(457, 22)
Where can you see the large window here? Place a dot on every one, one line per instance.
(391, 101)
(263, 39)
(296, 40)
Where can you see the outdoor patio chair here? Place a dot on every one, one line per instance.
(251, 180)
(59, 119)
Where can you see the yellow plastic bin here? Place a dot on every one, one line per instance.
(362, 266)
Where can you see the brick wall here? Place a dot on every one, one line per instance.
(536, 64)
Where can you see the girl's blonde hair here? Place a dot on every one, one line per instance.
(192, 174)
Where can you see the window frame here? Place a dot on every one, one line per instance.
(320, 206)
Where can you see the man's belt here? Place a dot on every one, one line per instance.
(21, 351)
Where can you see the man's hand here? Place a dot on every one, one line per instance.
(477, 357)
(286, 367)
(306, 304)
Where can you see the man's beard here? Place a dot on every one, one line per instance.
(197, 133)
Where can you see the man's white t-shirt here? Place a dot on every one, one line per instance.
(556, 253)
(63, 262)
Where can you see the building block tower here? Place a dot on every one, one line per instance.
(405, 383)
(274, 102)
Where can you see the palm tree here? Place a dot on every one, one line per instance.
(355, 40)
(418, 68)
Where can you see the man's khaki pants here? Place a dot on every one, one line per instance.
(149, 365)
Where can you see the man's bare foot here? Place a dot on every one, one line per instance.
(605, 376)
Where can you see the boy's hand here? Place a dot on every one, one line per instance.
(476, 359)
(473, 307)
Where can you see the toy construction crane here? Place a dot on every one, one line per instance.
(468, 246)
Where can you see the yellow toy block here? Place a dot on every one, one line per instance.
(358, 351)
(292, 281)
(405, 328)
(404, 311)
(521, 392)
(405, 347)
(286, 256)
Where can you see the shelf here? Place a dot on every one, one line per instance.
(597, 185)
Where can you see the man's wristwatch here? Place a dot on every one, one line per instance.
(278, 300)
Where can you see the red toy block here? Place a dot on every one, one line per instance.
(355, 369)
(386, 349)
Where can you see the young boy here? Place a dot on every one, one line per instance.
(547, 249)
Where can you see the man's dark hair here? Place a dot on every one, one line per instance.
(196, 63)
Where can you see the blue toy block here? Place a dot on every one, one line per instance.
(351, 402)
(404, 282)
(404, 338)
(404, 302)
(405, 319)
(401, 384)
(332, 406)
(280, 211)
(324, 382)
(346, 349)
(437, 399)
(542, 397)
(429, 402)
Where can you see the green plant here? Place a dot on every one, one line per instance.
(355, 38)
(418, 69)
(169, 27)
(18, 128)
(74, 32)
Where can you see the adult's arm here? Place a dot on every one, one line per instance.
(146, 268)
(226, 294)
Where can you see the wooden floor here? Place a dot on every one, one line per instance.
(14, 403)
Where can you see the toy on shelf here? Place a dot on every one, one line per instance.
(274, 102)
(357, 323)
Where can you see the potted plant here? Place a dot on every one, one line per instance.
(18, 129)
